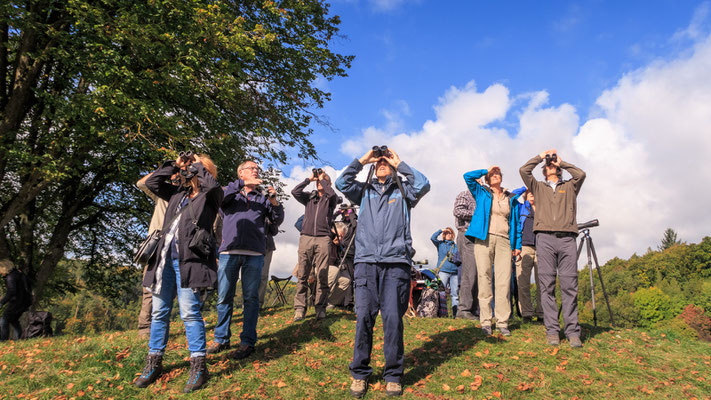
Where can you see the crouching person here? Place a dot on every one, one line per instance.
(184, 263)
(244, 243)
(382, 260)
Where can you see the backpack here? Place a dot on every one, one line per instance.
(39, 324)
(429, 303)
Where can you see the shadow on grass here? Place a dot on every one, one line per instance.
(288, 340)
(440, 349)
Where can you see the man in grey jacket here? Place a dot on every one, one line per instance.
(382, 261)
(556, 231)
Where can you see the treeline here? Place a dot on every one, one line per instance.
(669, 288)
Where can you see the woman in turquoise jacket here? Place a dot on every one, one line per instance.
(497, 237)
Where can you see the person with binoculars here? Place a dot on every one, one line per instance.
(314, 242)
(495, 231)
(245, 209)
(383, 259)
(184, 262)
(556, 231)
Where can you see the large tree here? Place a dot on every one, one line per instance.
(93, 93)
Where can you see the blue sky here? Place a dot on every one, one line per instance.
(408, 53)
(621, 89)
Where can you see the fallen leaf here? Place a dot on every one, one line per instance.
(466, 373)
(445, 387)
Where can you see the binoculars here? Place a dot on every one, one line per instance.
(551, 158)
(266, 193)
(317, 172)
(186, 155)
(381, 151)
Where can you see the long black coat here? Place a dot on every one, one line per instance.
(195, 272)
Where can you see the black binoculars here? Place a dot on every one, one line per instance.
(186, 155)
(381, 151)
(189, 172)
(317, 172)
(551, 158)
(266, 193)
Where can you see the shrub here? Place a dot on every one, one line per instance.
(654, 306)
(696, 318)
(677, 328)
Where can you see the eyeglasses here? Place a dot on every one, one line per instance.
(255, 168)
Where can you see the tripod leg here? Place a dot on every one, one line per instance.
(592, 284)
(602, 284)
(580, 247)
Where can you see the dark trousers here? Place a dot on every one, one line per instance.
(10, 319)
(558, 255)
(385, 288)
(468, 287)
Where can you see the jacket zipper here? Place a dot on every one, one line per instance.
(318, 205)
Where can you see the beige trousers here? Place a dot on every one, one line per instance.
(313, 256)
(493, 258)
(341, 289)
(524, 265)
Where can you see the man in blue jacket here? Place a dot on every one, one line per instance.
(382, 261)
(244, 210)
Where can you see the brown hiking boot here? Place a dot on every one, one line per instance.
(393, 389)
(151, 372)
(198, 374)
(574, 341)
(216, 347)
(553, 339)
(359, 387)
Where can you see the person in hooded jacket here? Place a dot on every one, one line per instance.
(16, 301)
(497, 237)
(383, 261)
(179, 268)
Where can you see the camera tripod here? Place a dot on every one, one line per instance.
(592, 255)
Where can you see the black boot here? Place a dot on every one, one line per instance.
(152, 370)
(454, 311)
(198, 374)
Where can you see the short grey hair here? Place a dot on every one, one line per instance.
(241, 166)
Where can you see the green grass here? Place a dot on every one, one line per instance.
(444, 358)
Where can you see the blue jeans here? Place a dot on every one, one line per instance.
(190, 305)
(385, 288)
(227, 273)
(451, 280)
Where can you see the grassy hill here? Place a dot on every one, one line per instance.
(445, 358)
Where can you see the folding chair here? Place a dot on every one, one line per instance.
(278, 287)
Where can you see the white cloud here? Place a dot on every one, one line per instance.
(643, 153)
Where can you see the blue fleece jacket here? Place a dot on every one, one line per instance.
(383, 232)
(243, 225)
(443, 248)
(479, 227)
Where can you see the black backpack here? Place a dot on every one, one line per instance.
(39, 324)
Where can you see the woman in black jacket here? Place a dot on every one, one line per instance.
(184, 262)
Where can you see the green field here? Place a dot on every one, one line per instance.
(444, 358)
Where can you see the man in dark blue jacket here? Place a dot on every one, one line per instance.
(382, 261)
(244, 211)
